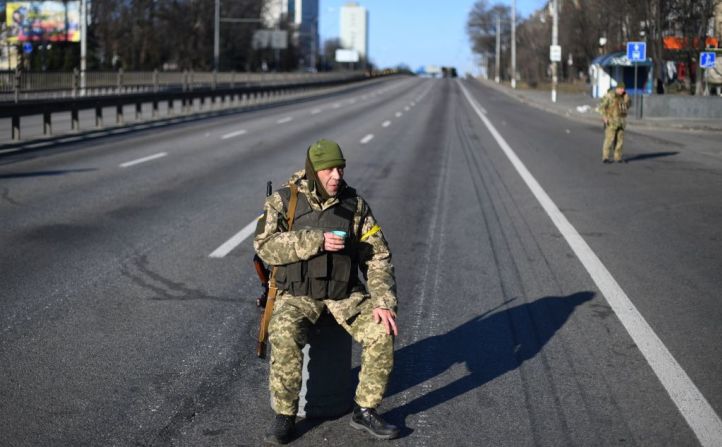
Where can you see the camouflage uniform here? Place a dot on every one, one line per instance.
(614, 108)
(292, 314)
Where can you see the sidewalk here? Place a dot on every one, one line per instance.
(582, 107)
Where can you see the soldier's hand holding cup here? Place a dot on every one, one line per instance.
(334, 240)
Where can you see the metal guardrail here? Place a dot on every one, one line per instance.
(255, 90)
(21, 86)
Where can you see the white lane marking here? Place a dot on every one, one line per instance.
(364, 97)
(352, 101)
(398, 114)
(407, 108)
(336, 106)
(367, 138)
(234, 241)
(413, 103)
(315, 111)
(285, 120)
(143, 160)
(386, 123)
(233, 134)
(698, 413)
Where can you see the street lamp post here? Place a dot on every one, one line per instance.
(555, 42)
(498, 48)
(217, 32)
(217, 35)
(513, 43)
(83, 42)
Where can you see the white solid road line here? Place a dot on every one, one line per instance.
(386, 123)
(233, 134)
(284, 120)
(367, 138)
(235, 241)
(143, 160)
(698, 413)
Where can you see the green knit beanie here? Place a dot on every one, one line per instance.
(325, 154)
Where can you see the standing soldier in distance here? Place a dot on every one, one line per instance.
(614, 107)
(317, 271)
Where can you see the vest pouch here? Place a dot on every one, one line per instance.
(318, 276)
(338, 283)
(296, 282)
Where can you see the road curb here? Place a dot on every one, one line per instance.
(650, 123)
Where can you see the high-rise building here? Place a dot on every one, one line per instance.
(355, 29)
(303, 15)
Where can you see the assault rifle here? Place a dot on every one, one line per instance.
(261, 269)
(268, 282)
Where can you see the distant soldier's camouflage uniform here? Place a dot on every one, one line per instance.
(613, 108)
(353, 312)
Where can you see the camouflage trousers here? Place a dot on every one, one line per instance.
(613, 137)
(287, 335)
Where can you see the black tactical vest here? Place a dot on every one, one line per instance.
(326, 275)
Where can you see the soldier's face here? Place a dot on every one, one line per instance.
(330, 179)
(620, 90)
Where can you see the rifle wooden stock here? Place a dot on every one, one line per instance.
(266, 319)
(261, 270)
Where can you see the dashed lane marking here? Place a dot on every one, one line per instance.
(386, 123)
(143, 160)
(234, 241)
(398, 114)
(285, 120)
(234, 134)
(367, 138)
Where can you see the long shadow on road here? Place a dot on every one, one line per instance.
(490, 345)
(640, 157)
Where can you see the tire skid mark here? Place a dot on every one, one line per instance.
(5, 195)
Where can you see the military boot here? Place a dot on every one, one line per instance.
(368, 419)
(281, 430)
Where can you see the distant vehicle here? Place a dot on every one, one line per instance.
(449, 72)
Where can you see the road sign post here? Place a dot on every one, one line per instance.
(555, 55)
(707, 60)
(636, 52)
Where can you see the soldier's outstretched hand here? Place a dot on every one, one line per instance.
(388, 318)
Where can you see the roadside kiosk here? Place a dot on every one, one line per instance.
(609, 69)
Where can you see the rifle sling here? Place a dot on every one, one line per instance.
(272, 290)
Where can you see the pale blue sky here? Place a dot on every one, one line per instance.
(416, 32)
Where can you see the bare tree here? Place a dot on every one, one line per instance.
(148, 34)
(692, 20)
(481, 29)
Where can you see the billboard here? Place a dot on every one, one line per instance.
(347, 55)
(45, 21)
(266, 38)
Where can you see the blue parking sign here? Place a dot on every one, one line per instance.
(706, 59)
(27, 47)
(637, 51)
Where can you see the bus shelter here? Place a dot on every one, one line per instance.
(609, 69)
